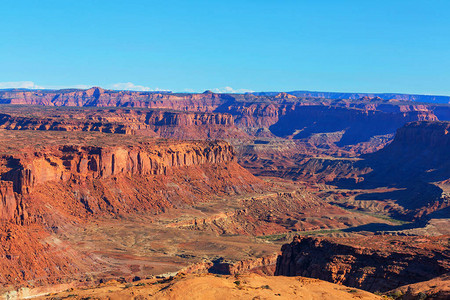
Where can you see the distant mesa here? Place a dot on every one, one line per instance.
(368, 98)
(94, 91)
(284, 96)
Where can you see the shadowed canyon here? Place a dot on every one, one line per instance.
(150, 194)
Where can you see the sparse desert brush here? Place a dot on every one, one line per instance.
(397, 294)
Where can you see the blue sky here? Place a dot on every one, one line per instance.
(246, 45)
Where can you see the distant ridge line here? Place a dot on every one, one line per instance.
(435, 99)
(385, 96)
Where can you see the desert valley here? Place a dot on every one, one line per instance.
(138, 195)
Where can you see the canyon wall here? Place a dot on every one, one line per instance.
(69, 162)
(160, 118)
(415, 166)
(359, 125)
(193, 125)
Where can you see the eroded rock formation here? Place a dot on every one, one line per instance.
(383, 267)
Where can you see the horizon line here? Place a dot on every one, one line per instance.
(225, 93)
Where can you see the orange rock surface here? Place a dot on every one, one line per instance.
(224, 287)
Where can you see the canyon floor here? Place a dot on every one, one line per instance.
(141, 245)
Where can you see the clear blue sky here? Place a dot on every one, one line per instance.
(260, 45)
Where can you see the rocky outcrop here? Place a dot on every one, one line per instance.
(272, 215)
(361, 266)
(208, 286)
(261, 265)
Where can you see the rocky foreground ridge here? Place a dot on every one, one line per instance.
(208, 286)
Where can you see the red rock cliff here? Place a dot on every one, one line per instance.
(77, 162)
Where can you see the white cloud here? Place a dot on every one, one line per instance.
(33, 86)
(129, 86)
(19, 85)
(230, 90)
